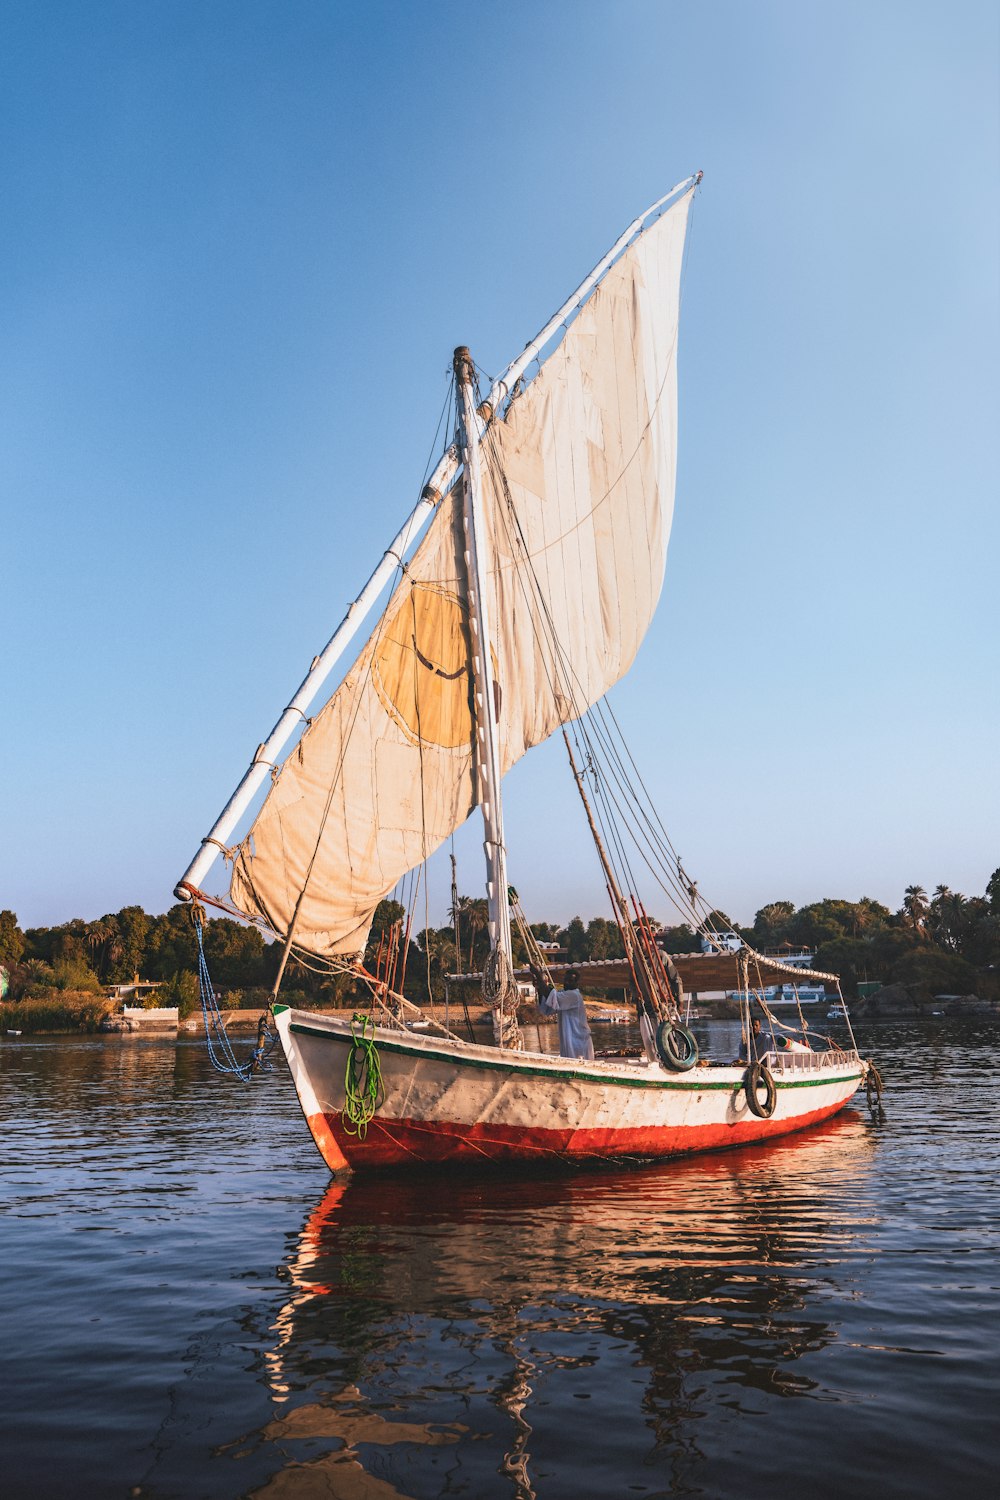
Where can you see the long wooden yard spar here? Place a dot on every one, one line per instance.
(269, 751)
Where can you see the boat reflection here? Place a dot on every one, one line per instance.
(453, 1302)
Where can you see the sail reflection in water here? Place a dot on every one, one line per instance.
(593, 1335)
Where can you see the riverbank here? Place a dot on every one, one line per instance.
(69, 1011)
(898, 1001)
(72, 1012)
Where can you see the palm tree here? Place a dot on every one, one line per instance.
(915, 908)
(459, 912)
(947, 918)
(478, 916)
(98, 933)
(103, 938)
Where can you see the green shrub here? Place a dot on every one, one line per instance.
(181, 989)
(67, 1010)
(75, 974)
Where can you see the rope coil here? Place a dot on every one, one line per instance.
(363, 1088)
(500, 993)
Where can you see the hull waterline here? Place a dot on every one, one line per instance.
(448, 1102)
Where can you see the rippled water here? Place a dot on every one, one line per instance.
(191, 1308)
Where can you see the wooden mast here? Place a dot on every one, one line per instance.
(477, 563)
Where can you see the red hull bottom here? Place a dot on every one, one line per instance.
(393, 1143)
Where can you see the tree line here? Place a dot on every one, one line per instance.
(943, 942)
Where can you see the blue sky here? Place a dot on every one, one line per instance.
(240, 242)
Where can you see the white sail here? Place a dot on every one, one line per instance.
(588, 457)
(578, 484)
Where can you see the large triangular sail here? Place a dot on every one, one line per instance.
(578, 482)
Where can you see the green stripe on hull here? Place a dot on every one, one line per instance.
(688, 1086)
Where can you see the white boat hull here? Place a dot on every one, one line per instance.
(450, 1101)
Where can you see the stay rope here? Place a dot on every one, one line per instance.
(536, 958)
(220, 1049)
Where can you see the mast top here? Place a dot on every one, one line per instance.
(462, 362)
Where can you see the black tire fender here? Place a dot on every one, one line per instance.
(676, 1047)
(756, 1075)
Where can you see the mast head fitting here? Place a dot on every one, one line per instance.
(462, 364)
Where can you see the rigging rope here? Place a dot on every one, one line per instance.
(220, 1050)
(564, 682)
(598, 739)
(873, 1094)
(536, 958)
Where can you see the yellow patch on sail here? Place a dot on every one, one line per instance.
(421, 668)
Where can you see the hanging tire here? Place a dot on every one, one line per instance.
(756, 1075)
(676, 1047)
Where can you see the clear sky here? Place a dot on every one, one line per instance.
(240, 242)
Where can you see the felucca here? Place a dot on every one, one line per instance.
(522, 585)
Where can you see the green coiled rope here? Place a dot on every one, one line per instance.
(363, 1091)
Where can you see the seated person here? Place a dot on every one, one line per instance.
(760, 1045)
(574, 1028)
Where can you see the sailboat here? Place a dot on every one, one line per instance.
(517, 592)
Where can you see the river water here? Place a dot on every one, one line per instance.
(191, 1308)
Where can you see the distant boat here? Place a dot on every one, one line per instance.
(837, 1013)
(527, 598)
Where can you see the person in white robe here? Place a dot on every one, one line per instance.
(574, 1028)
